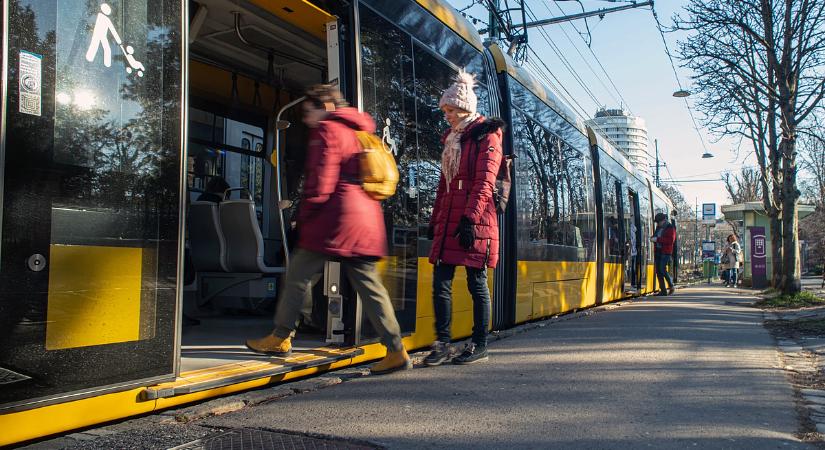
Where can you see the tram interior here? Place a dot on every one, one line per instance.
(248, 59)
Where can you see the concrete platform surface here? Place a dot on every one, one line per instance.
(695, 370)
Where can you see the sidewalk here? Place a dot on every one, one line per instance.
(695, 370)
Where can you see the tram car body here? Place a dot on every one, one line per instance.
(119, 115)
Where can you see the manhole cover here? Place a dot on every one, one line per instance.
(250, 439)
(8, 377)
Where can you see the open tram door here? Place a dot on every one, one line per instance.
(635, 274)
(91, 194)
(250, 63)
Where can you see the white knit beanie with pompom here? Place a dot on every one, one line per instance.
(460, 94)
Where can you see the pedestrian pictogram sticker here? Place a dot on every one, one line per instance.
(29, 84)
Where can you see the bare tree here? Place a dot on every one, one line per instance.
(775, 49)
(743, 187)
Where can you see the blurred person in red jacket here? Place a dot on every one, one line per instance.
(663, 239)
(336, 220)
(464, 224)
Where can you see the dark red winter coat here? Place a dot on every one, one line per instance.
(470, 195)
(336, 216)
(665, 240)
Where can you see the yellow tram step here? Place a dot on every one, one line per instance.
(228, 374)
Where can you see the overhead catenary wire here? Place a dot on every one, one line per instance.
(620, 98)
(676, 75)
(564, 60)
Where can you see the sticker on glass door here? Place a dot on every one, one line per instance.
(100, 42)
(29, 86)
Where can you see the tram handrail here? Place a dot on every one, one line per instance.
(276, 163)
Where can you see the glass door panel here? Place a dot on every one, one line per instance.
(91, 194)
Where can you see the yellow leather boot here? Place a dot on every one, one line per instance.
(271, 345)
(394, 361)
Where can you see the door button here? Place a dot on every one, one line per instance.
(36, 262)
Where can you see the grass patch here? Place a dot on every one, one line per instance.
(799, 300)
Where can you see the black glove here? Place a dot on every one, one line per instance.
(430, 232)
(465, 233)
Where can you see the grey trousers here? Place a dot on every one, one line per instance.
(363, 276)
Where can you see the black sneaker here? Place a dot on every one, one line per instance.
(471, 354)
(440, 352)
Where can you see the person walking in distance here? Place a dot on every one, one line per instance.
(336, 219)
(464, 224)
(663, 239)
(732, 252)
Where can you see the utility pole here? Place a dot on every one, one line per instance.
(494, 18)
(656, 142)
(695, 232)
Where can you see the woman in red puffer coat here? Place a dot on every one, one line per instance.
(464, 225)
(336, 220)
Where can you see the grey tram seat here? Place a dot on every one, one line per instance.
(244, 241)
(207, 243)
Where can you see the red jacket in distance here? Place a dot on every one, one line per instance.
(470, 196)
(665, 240)
(336, 216)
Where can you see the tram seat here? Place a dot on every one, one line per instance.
(207, 243)
(244, 241)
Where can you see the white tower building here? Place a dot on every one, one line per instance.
(628, 133)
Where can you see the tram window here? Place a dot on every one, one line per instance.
(216, 145)
(387, 69)
(610, 204)
(553, 187)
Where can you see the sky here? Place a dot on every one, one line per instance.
(630, 48)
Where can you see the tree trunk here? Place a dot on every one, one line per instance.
(791, 283)
(776, 251)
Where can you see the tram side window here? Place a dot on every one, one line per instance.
(432, 77)
(553, 187)
(611, 213)
(647, 217)
(226, 148)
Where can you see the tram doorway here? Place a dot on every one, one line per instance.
(634, 266)
(249, 62)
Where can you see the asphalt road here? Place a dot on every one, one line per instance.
(696, 370)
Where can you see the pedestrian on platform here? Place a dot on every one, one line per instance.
(732, 251)
(663, 239)
(724, 269)
(464, 224)
(336, 220)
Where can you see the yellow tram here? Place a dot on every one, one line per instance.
(118, 115)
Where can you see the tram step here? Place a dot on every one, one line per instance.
(225, 375)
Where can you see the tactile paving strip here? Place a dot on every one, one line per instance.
(8, 377)
(253, 439)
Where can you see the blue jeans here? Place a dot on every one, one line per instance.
(732, 275)
(443, 275)
(662, 273)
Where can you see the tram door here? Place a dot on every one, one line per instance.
(635, 274)
(91, 145)
(623, 235)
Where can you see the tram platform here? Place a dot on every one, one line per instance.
(693, 370)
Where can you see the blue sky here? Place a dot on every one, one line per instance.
(630, 48)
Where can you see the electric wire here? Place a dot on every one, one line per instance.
(545, 74)
(620, 99)
(676, 75)
(564, 60)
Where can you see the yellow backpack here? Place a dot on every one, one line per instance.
(378, 171)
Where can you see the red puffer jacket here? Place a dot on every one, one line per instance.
(665, 240)
(470, 196)
(336, 216)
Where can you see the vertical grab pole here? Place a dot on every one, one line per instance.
(275, 160)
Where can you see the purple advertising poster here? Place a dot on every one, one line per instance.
(759, 251)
